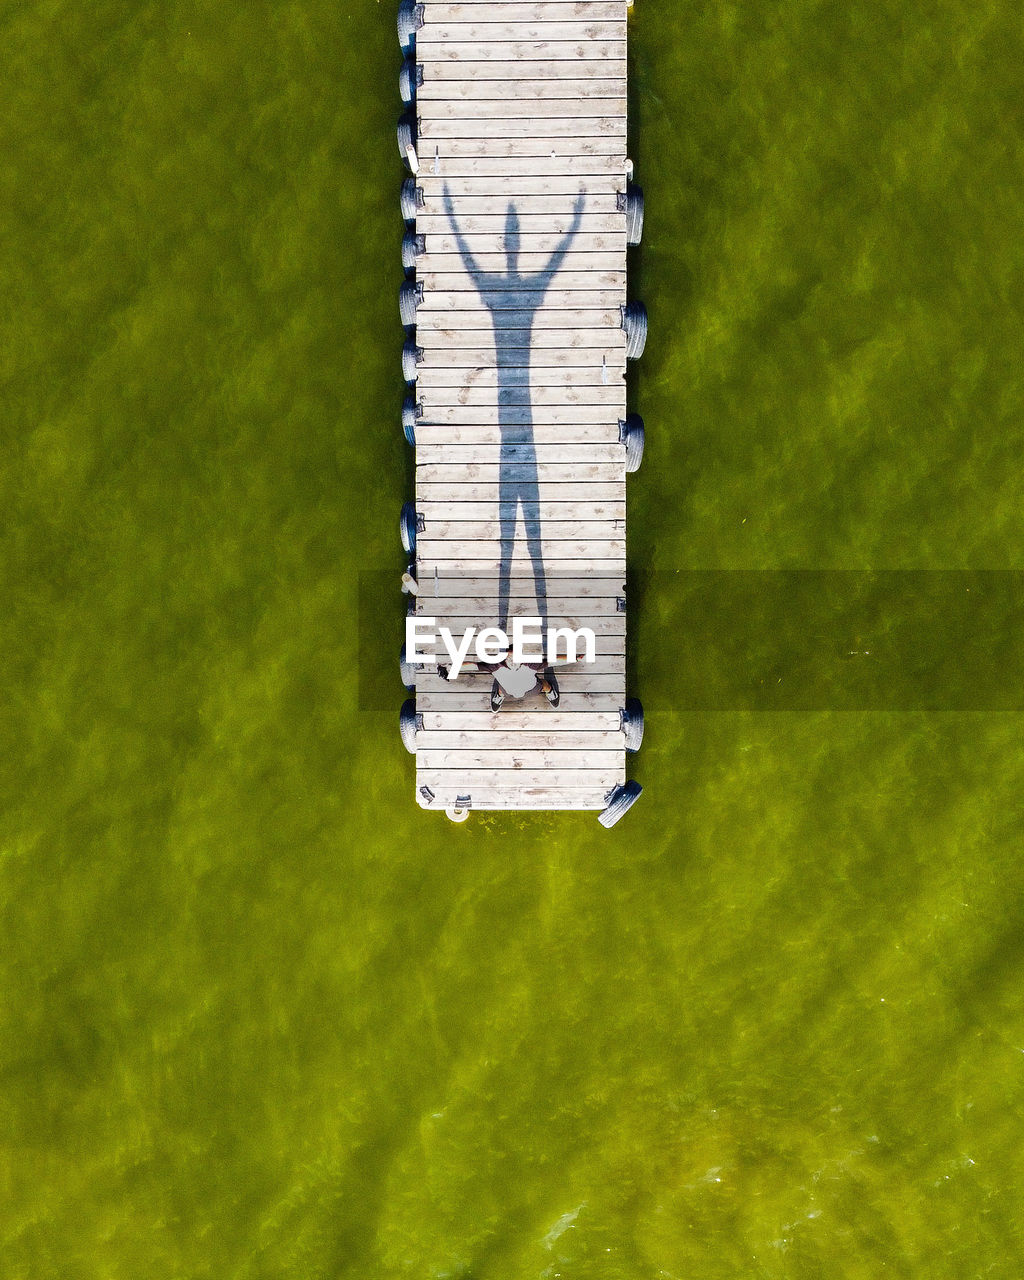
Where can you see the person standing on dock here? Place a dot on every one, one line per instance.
(517, 470)
(513, 679)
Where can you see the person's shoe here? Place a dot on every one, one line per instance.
(551, 694)
(497, 696)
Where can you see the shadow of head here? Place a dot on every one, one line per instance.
(512, 240)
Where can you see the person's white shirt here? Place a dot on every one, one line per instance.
(516, 681)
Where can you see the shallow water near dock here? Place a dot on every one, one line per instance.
(263, 1017)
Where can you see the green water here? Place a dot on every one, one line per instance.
(259, 1015)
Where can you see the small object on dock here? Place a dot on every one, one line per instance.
(409, 585)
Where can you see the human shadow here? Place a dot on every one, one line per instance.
(513, 298)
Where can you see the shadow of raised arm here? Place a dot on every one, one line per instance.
(485, 278)
(544, 278)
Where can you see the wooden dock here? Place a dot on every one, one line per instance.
(518, 332)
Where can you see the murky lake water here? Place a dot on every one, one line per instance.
(263, 1017)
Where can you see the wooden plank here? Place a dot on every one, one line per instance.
(487, 490)
(558, 205)
(437, 454)
(435, 550)
(542, 392)
(464, 779)
(528, 798)
(513, 416)
(600, 365)
(598, 229)
(479, 609)
(573, 509)
(435, 39)
(515, 378)
(474, 700)
(457, 615)
(455, 343)
(440, 281)
(479, 126)
(475, 70)
(607, 400)
(481, 515)
(543, 720)
(564, 610)
(584, 259)
(523, 760)
(554, 529)
(535, 99)
(491, 434)
(556, 80)
(564, 599)
(512, 299)
(458, 620)
(504, 11)
(517, 166)
(546, 472)
(568, 150)
(575, 48)
(552, 565)
(486, 416)
(603, 690)
(452, 584)
(564, 319)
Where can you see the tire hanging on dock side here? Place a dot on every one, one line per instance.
(410, 19)
(634, 207)
(408, 724)
(412, 199)
(407, 669)
(409, 80)
(406, 133)
(412, 246)
(410, 295)
(631, 433)
(632, 718)
(621, 799)
(408, 526)
(410, 412)
(634, 322)
(411, 356)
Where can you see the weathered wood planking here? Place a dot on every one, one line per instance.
(520, 385)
